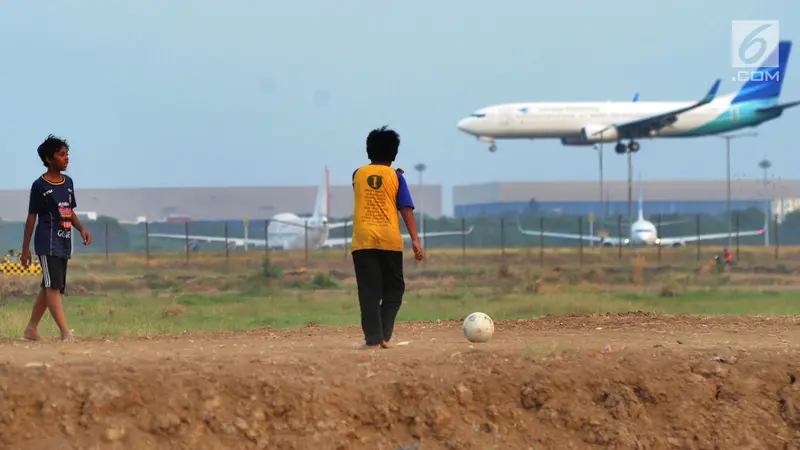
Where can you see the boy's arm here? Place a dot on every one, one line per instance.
(35, 207)
(30, 222)
(407, 213)
(76, 223)
(406, 206)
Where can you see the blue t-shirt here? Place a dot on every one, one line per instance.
(403, 193)
(53, 204)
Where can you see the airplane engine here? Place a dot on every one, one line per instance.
(609, 135)
(575, 141)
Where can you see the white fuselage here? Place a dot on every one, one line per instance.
(643, 232)
(291, 232)
(571, 120)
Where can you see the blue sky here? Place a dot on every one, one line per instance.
(264, 92)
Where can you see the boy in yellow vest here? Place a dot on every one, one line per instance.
(377, 246)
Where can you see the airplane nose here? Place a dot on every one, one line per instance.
(464, 125)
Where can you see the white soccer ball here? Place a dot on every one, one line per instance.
(478, 327)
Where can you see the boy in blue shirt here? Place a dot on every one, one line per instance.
(52, 202)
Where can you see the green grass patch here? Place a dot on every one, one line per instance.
(148, 315)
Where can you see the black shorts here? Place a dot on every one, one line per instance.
(54, 272)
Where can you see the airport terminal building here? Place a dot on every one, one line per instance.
(212, 203)
(660, 197)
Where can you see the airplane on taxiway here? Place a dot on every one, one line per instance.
(642, 233)
(588, 123)
(287, 231)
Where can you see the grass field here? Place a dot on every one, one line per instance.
(127, 295)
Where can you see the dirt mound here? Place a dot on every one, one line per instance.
(305, 389)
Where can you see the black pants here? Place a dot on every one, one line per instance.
(379, 274)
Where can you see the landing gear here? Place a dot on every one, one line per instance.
(492, 148)
(632, 147)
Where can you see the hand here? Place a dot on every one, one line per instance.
(418, 253)
(87, 238)
(25, 258)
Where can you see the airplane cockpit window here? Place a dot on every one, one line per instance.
(478, 115)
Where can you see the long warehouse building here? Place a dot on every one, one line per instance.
(660, 197)
(212, 203)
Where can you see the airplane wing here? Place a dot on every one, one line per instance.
(681, 240)
(586, 237)
(340, 224)
(341, 242)
(202, 238)
(644, 126)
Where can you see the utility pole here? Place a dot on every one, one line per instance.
(602, 213)
(420, 167)
(728, 138)
(630, 185)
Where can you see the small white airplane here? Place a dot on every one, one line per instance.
(642, 232)
(287, 231)
(588, 123)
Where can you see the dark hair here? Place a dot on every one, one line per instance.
(50, 147)
(382, 144)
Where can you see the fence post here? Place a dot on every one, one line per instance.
(541, 241)
(226, 243)
(106, 237)
(737, 238)
(463, 240)
(658, 235)
(502, 239)
(619, 234)
(345, 239)
(186, 231)
(580, 240)
(777, 234)
(697, 230)
(147, 243)
(266, 237)
(306, 238)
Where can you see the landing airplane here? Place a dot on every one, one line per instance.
(588, 123)
(642, 232)
(287, 231)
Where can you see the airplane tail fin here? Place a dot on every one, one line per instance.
(766, 81)
(321, 206)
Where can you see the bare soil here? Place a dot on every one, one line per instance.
(631, 381)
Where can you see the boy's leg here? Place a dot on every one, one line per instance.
(39, 307)
(394, 287)
(55, 284)
(368, 277)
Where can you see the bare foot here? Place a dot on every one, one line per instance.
(31, 334)
(385, 344)
(68, 338)
(364, 346)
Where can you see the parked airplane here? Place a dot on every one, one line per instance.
(642, 232)
(587, 123)
(287, 231)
